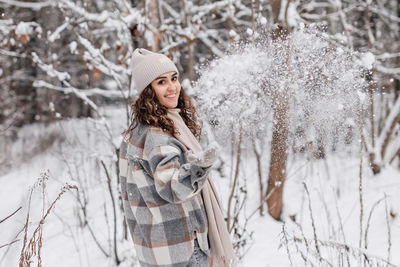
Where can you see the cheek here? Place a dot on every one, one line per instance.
(159, 91)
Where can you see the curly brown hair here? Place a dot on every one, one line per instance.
(147, 110)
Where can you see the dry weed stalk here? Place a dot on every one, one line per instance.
(341, 230)
(388, 228)
(369, 221)
(33, 247)
(357, 251)
(315, 255)
(287, 244)
(341, 248)
(82, 200)
(360, 186)
(312, 219)
(117, 260)
(298, 250)
(237, 204)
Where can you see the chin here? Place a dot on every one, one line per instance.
(171, 105)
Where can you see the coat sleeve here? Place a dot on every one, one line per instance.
(175, 179)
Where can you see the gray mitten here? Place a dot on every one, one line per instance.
(205, 158)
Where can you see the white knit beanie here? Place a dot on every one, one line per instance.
(147, 65)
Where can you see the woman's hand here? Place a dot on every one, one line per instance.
(205, 158)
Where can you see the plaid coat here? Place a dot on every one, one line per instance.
(160, 193)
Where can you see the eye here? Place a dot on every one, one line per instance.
(160, 82)
(175, 78)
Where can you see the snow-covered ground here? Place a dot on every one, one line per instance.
(79, 230)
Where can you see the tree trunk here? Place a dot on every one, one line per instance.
(191, 42)
(154, 21)
(279, 146)
(280, 130)
(231, 195)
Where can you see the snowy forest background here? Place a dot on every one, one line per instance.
(301, 95)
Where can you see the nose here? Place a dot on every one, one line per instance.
(171, 86)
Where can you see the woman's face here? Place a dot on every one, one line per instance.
(167, 89)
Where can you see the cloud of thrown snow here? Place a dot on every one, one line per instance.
(323, 84)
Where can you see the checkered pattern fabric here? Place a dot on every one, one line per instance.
(161, 198)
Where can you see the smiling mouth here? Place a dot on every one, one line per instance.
(171, 96)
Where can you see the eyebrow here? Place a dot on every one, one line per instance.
(163, 77)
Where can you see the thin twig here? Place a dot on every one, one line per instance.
(12, 242)
(12, 214)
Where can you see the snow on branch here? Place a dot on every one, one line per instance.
(170, 10)
(383, 13)
(315, 5)
(102, 17)
(394, 149)
(49, 69)
(6, 26)
(111, 21)
(69, 89)
(208, 43)
(10, 53)
(95, 53)
(171, 45)
(87, 92)
(386, 70)
(95, 56)
(387, 56)
(31, 5)
(62, 77)
(105, 17)
(126, 4)
(210, 7)
(198, 12)
(56, 34)
(388, 127)
(333, 14)
(134, 17)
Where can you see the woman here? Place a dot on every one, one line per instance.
(171, 206)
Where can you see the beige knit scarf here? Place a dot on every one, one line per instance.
(220, 243)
